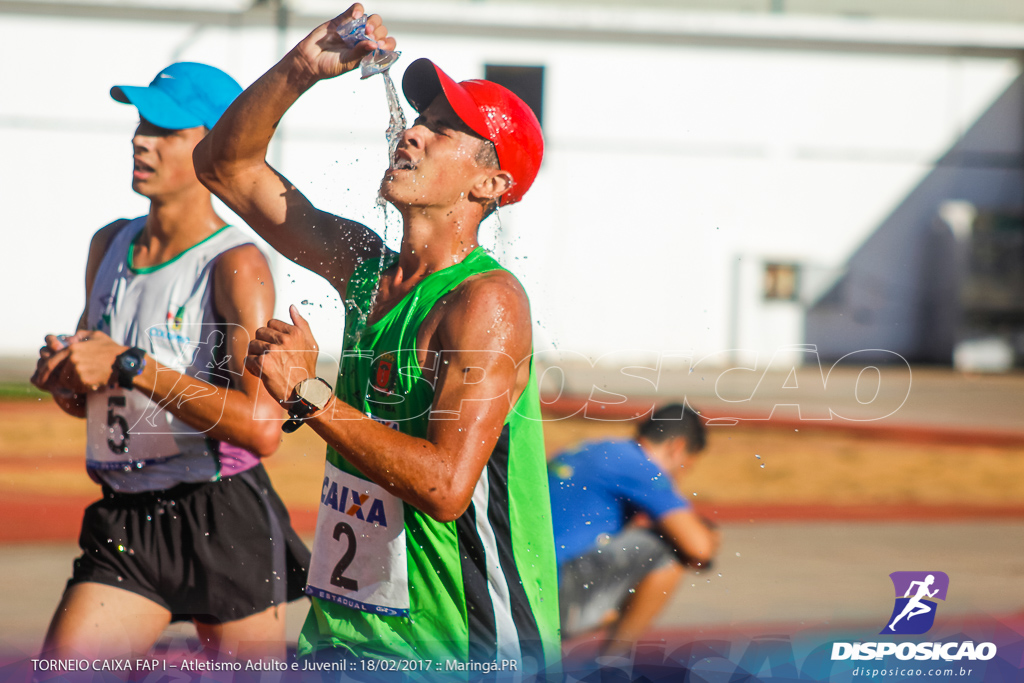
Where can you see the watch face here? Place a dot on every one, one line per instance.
(314, 391)
(128, 366)
(130, 362)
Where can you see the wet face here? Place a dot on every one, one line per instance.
(163, 159)
(438, 161)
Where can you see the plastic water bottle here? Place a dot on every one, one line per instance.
(354, 32)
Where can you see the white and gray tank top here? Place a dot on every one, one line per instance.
(134, 444)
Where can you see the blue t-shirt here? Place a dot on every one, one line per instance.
(597, 487)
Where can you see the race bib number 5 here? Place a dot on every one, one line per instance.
(124, 428)
(359, 547)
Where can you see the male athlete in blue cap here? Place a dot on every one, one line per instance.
(189, 526)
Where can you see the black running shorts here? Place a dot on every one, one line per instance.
(213, 552)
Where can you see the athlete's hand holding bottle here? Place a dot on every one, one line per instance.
(324, 52)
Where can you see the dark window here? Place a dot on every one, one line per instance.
(781, 282)
(525, 81)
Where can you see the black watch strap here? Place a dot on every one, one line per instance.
(297, 413)
(128, 366)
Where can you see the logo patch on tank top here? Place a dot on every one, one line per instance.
(383, 373)
(175, 320)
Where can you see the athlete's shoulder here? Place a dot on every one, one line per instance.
(115, 225)
(247, 254)
(493, 290)
(244, 268)
(242, 280)
(99, 244)
(101, 238)
(494, 297)
(488, 310)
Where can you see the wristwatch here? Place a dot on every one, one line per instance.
(128, 366)
(310, 396)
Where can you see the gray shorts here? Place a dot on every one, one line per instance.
(604, 577)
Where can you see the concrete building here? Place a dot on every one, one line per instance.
(729, 178)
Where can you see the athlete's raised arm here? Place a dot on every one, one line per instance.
(231, 160)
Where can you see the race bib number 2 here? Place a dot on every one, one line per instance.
(359, 548)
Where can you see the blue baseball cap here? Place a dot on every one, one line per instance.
(184, 95)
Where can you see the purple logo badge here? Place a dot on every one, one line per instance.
(914, 611)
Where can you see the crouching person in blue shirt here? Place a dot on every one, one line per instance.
(623, 533)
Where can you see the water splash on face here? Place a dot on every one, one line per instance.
(397, 123)
(396, 126)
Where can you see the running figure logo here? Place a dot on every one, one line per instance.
(914, 613)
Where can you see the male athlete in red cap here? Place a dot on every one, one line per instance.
(434, 543)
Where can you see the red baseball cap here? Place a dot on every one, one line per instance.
(491, 111)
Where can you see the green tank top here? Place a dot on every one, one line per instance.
(480, 589)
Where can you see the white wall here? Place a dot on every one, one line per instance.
(664, 164)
